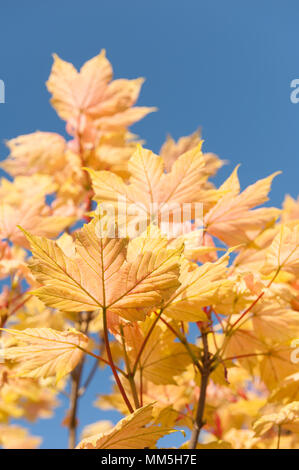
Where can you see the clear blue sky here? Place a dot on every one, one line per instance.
(223, 65)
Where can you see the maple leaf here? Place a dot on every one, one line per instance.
(23, 202)
(290, 209)
(246, 344)
(162, 359)
(153, 195)
(44, 352)
(14, 192)
(33, 400)
(287, 390)
(287, 417)
(12, 260)
(199, 288)
(16, 437)
(276, 364)
(233, 219)
(198, 245)
(171, 150)
(275, 322)
(91, 94)
(30, 218)
(242, 438)
(96, 428)
(136, 431)
(104, 273)
(39, 152)
(283, 253)
(113, 152)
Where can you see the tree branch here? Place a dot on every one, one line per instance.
(74, 396)
(75, 385)
(205, 373)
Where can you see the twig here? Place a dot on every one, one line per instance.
(74, 396)
(205, 373)
(75, 385)
(89, 378)
(100, 358)
(94, 368)
(21, 304)
(256, 300)
(183, 340)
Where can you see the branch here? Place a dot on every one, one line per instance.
(75, 385)
(94, 368)
(205, 373)
(74, 396)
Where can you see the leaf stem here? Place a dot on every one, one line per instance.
(130, 375)
(100, 358)
(112, 365)
(256, 300)
(145, 341)
(185, 344)
(94, 368)
(243, 356)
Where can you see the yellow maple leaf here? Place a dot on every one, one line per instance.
(287, 417)
(283, 253)
(171, 150)
(23, 202)
(91, 94)
(162, 359)
(44, 352)
(287, 390)
(290, 209)
(39, 152)
(101, 275)
(276, 322)
(96, 428)
(153, 195)
(276, 364)
(199, 287)
(233, 219)
(16, 437)
(136, 431)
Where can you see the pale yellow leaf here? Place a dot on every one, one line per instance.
(100, 275)
(44, 352)
(136, 431)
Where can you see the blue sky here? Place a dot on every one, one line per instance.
(223, 65)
